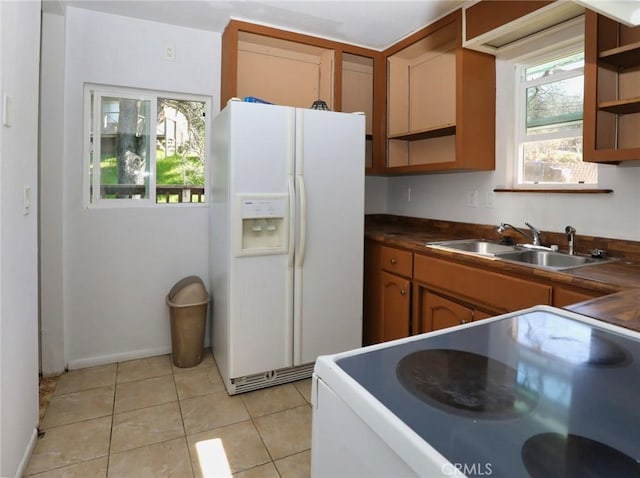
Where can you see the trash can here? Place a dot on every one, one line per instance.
(187, 301)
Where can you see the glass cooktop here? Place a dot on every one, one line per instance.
(521, 396)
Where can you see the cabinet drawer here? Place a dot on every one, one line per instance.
(396, 261)
(497, 291)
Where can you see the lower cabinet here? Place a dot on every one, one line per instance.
(482, 289)
(407, 293)
(435, 312)
(387, 293)
(563, 296)
(395, 296)
(479, 315)
(447, 293)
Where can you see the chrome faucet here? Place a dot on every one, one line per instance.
(534, 234)
(571, 236)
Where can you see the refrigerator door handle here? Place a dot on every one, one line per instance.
(302, 197)
(292, 212)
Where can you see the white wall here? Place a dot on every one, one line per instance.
(375, 190)
(51, 186)
(118, 264)
(19, 56)
(445, 196)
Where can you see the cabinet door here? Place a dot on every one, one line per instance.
(487, 289)
(563, 296)
(434, 312)
(479, 315)
(395, 294)
(372, 321)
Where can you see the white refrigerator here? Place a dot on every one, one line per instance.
(287, 219)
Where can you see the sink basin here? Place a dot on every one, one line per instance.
(549, 259)
(540, 258)
(475, 246)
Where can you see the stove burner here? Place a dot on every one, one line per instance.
(465, 383)
(606, 353)
(552, 455)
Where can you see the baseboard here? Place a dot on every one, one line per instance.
(22, 466)
(120, 357)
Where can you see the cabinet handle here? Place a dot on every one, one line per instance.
(393, 261)
(463, 321)
(403, 292)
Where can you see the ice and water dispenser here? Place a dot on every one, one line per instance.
(264, 224)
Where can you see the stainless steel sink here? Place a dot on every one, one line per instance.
(474, 246)
(549, 259)
(535, 257)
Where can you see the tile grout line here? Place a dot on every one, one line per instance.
(273, 461)
(184, 429)
(113, 415)
(253, 422)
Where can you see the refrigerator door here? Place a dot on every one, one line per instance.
(261, 297)
(329, 250)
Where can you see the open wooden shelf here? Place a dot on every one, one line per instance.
(611, 91)
(621, 107)
(440, 102)
(445, 130)
(625, 56)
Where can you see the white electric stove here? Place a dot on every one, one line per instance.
(542, 392)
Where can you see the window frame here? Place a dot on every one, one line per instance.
(520, 136)
(91, 193)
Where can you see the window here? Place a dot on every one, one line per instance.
(549, 125)
(144, 147)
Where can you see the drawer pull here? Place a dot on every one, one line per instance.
(403, 291)
(393, 261)
(463, 321)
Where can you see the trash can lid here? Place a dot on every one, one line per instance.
(189, 290)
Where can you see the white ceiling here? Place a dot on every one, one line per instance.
(374, 24)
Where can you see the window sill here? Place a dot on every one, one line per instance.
(553, 190)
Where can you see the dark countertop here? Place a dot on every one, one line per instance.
(619, 280)
(621, 309)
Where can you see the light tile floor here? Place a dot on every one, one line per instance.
(148, 418)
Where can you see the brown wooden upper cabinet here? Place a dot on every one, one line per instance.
(486, 16)
(440, 102)
(357, 94)
(294, 69)
(491, 26)
(611, 90)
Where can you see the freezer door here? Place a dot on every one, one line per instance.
(261, 286)
(329, 247)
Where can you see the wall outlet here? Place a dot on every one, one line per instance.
(472, 198)
(26, 200)
(7, 112)
(490, 199)
(170, 53)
